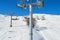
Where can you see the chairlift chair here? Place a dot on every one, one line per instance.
(37, 18)
(43, 18)
(40, 3)
(15, 18)
(23, 5)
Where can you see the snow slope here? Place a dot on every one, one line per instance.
(49, 29)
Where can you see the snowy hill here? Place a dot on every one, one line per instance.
(49, 28)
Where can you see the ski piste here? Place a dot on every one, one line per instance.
(48, 29)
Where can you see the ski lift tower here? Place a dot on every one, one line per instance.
(38, 3)
(11, 13)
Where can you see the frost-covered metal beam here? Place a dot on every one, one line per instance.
(30, 21)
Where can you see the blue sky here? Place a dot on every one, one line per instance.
(50, 7)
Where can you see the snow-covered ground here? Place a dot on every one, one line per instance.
(49, 29)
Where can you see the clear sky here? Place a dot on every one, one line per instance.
(50, 7)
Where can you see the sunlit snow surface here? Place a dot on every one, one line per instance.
(48, 29)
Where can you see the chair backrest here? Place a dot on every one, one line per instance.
(15, 19)
(27, 21)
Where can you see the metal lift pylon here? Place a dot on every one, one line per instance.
(39, 3)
